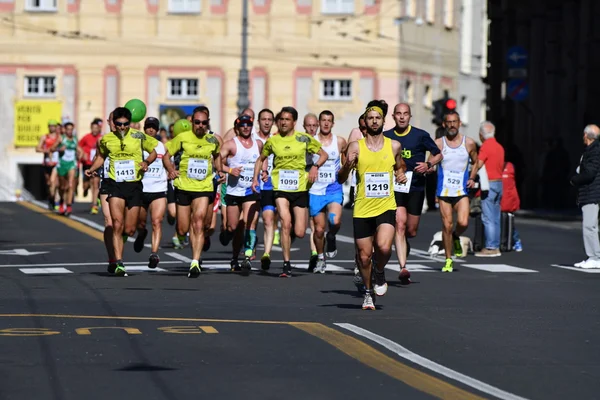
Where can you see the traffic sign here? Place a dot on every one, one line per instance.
(517, 57)
(517, 89)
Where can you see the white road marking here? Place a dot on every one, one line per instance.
(431, 365)
(36, 271)
(179, 257)
(587, 271)
(99, 263)
(142, 268)
(413, 268)
(497, 268)
(330, 267)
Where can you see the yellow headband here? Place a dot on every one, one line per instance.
(374, 108)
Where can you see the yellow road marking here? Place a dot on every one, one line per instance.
(88, 330)
(375, 359)
(209, 329)
(240, 321)
(65, 220)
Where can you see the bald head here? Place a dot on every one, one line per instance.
(311, 124)
(402, 115)
(249, 112)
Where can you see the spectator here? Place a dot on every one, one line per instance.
(491, 155)
(587, 182)
(510, 200)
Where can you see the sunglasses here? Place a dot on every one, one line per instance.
(198, 122)
(244, 124)
(121, 123)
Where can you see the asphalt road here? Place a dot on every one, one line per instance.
(509, 327)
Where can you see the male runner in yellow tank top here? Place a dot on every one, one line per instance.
(378, 161)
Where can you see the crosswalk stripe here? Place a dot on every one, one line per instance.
(36, 271)
(143, 268)
(413, 268)
(586, 271)
(497, 268)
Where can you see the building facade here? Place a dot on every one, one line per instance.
(88, 57)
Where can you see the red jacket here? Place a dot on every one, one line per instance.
(510, 197)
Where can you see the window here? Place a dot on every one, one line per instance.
(40, 5)
(427, 97)
(336, 89)
(409, 92)
(338, 6)
(185, 6)
(179, 88)
(410, 8)
(464, 110)
(40, 86)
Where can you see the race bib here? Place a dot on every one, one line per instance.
(453, 180)
(197, 168)
(377, 184)
(404, 187)
(55, 157)
(154, 171)
(270, 164)
(68, 155)
(327, 172)
(353, 178)
(289, 179)
(92, 155)
(245, 179)
(125, 170)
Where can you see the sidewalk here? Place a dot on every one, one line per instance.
(551, 215)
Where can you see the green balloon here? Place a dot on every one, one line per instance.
(137, 108)
(182, 125)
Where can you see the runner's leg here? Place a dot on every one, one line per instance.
(199, 207)
(157, 214)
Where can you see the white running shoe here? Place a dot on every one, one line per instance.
(321, 266)
(580, 263)
(381, 285)
(591, 264)
(368, 303)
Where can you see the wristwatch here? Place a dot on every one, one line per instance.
(429, 165)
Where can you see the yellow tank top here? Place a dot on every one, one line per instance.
(374, 180)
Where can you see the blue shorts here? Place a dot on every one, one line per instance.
(316, 202)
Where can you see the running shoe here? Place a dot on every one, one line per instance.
(404, 276)
(449, 266)
(265, 262)
(321, 266)
(194, 270)
(312, 263)
(457, 246)
(177, 243)
(138, 245)
(153, 261)
(112, 266)
(381, 285)
(277, 238)
(246, 266)
(68, 211)
(120, 269)
(287, 270)
(368, 303)
(94, 210)
(235, 265)
(358, 281)
(331, 245)
(206, 245)
(518, 246)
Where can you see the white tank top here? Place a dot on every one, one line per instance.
(155, 179)
(246, 158)
(268, 185)
(453, 172)
(326, 182)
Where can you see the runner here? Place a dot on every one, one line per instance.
(290, 178)
(102, 173)
(376, 159)
(69, 152)
(267, 201)
(154, 199)
(125, 148)
(326, 195)
(239, 156)
(50, 161)
(410, 196)
(194, 187)
(88, 147)
(453, 182)
(311, 127)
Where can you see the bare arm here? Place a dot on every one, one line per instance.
(351, 156)
(342, 144)
(472, 149)
(40, 147)
(400, 166)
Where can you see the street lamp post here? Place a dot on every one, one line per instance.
(243, 81)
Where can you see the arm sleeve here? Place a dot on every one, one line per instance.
(267, 148)
(313, 146)
(430, 145)
(149, 143)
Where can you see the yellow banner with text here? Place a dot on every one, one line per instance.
(31, 120)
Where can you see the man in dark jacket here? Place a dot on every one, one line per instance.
(587, 181)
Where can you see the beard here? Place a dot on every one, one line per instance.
(452, 132)
(374, 132)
